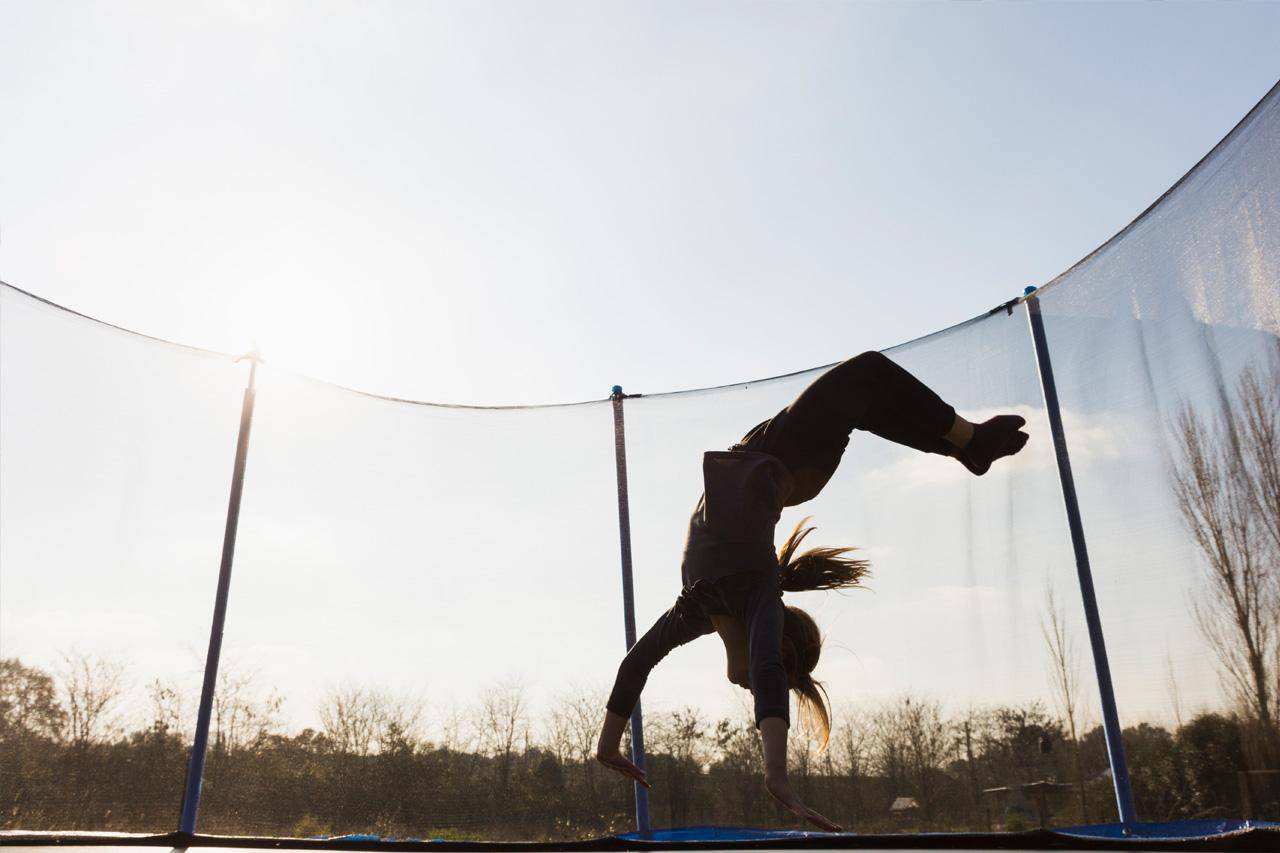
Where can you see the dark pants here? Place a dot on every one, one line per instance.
(868, 392)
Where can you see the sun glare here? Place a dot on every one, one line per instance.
(293, 330)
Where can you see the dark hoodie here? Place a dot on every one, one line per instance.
(729, 569)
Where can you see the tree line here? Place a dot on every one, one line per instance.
(496, 771)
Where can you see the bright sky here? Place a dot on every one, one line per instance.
(531, 202)
(520, 202)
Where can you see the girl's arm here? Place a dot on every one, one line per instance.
(763, 613)
(683, 623)
(773, 737)
(609, 752)
(679, 625)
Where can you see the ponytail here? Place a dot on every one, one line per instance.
(817, 568)
(801, 648)
(814, 707)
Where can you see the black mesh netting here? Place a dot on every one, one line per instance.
(425, 612)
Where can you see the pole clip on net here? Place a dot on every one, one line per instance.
(1007, 307)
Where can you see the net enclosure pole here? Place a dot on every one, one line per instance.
(643, 825)
(1106, 693)
(195, 770)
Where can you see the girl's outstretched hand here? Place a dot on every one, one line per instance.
(773, 737)
(780, 788)
(619, 763)
(610, 755)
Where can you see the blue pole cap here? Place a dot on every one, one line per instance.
(1028, 290)
(617, 392)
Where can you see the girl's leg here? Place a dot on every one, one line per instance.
(870, 392)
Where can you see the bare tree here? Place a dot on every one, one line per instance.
(969, 723)
(738, 746)
(242, 717)
(348, 720)
(168, 707)
(852, 740)
(399, 721)
(930, 748)
(678, 744)
(1227, 485)
(912, 748)
(457, 733)
(92, 690)
(503, 724)
(889, 748)
(1258, 399)
(802, 761)
(558, 734)
(574, 725)
(1064, 678)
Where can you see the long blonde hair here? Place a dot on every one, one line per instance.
(816, 568)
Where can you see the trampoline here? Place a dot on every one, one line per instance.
(1047, 661)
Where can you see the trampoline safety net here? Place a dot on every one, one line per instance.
(425, 611)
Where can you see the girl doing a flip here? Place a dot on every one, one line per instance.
(732, 579)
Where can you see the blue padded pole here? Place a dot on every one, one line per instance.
(643, 825)
(1110, 716)
(195, 770)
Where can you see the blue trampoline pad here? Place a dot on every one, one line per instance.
(1185, 835)
(1195, 834)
